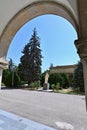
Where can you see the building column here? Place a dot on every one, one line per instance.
(85, 78)
(82, 51)
(3, 65)
(0, 77)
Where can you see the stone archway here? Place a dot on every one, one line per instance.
(24, 15)
(30, 12)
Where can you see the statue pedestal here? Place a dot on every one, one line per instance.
(0, 77)
(46, 86)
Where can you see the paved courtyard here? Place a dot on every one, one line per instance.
(32, 110)
(9, 121)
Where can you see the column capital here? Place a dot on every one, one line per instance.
(3, 63)
(81, 46)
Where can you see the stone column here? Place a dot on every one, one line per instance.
(0, 77)
(82, 51)
(85, 78)
(3, 65)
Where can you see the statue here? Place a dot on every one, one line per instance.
(46, 77)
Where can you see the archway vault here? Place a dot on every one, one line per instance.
(31, 11)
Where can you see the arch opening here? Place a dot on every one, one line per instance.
(58, 44)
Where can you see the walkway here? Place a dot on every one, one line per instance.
(58, 111)
(10, 121)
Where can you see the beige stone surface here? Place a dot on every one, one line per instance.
(10, 8)
(14, 14)
(69, 69)
(46, 107)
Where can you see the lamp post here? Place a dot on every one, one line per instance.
(12, 67)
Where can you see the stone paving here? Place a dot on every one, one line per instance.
(58, 111)
(9, 121)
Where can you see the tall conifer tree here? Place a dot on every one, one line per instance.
(30, 62)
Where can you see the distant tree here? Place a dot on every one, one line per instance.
(10, 77)
(78, 79)
(8, 80)
(65, 80)
(6, 72)
(10, 64)
(51, 66)
(55, 78)
(30, 62)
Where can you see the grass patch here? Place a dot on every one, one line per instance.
(70, 91)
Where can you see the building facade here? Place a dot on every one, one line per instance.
(68, 69)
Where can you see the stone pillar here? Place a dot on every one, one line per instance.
(82, 51)
(85, 78)
(0, 77)
(3, 65)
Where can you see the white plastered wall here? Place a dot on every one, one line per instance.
(9, 8)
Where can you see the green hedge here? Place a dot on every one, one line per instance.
(8, 80)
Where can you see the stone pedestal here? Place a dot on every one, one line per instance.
(46, 86)
(0, 77)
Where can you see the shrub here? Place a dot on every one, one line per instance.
(65, 81)
(53, 86)
(35, 85)
(8, 80)
(55, 78)
(6, 72)
(58, 86)
(23, 82)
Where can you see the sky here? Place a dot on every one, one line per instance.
(57, 37)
